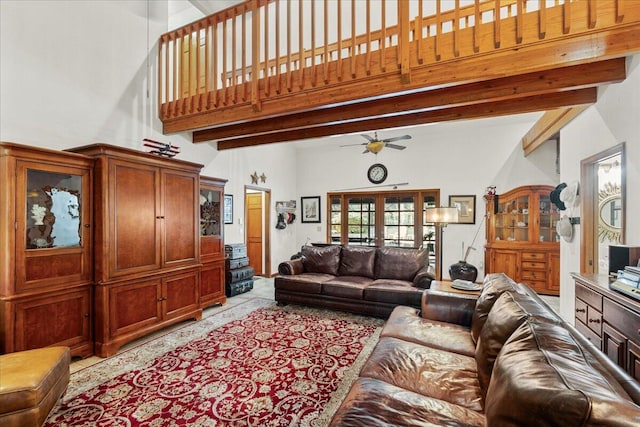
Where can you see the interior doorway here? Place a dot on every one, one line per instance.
(257, 219)
(603, 182)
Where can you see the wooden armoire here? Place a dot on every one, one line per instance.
(521, 237)
(46, 262)
(147, 247)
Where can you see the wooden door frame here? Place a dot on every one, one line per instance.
(589, 193)
(265, 226)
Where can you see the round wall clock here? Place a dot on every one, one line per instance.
(377, 173)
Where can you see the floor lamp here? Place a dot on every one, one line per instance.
(441, 217)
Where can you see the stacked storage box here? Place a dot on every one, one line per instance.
(239, 275)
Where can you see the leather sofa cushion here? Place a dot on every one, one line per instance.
(493, 286)
(428, 371)
(505, 316)
(357, 261)
(310, 283)
(371, 402)
(542, 378)
(398, 292)
(324, 259)
(407, 324)
(400, 263)
(346, 287)
(508, 312)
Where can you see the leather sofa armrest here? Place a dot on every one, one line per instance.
(424, 277)
(291, 267)
(448, 307)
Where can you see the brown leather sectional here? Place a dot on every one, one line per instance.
(358, 279)
(501, 359)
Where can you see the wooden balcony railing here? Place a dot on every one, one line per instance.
(268, 58)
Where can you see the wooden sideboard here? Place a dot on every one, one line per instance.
(609, 319)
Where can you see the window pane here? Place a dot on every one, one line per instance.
(399, 212)
(361, 220)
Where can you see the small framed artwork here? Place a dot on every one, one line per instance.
(310, 209)
(466, 208)
(228, 209)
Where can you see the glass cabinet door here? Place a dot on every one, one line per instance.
(549, 217)
(53, 210)
(512, 219)
(210, 210)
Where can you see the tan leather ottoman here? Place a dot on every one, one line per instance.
(31, 382)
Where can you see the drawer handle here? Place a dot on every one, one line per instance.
(582, 310)
(594, 320)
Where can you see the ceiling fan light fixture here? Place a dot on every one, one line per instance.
(375, 146)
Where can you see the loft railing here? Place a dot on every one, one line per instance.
(261, 50)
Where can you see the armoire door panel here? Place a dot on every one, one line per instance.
(181, 293)
(180, 217)
(134, 306)
(135, 244)
(59, 319)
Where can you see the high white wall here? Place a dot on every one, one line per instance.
(78, 72)
(459, 158)
(615, 118)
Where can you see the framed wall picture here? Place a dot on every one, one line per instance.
(466, 208)
(310, 209)
(228, 209)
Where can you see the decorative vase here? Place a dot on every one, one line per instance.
(463, 270)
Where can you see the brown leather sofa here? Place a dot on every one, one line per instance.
(358, 279)
(503, 359)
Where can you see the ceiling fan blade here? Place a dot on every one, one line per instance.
(367, 137)
(397, 138)
(397, 147)
(351, 145)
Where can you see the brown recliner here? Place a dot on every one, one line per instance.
(31, 382)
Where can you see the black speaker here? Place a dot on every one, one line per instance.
(621, 256)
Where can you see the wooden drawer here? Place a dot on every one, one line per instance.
(592, 298)
(532, 275)
(581, 310)
(533, 256)
(594, 320)
(588, 334)
(624, 320)
(532, 265)
(538, 286)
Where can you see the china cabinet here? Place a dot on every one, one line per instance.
(147, 247)
(46, 262)
(212, 274)
(521, 237)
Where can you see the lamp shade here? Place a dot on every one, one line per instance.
(446, 215)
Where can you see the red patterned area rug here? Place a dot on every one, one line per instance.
(251, 365)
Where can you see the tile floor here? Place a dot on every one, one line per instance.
(262, 288)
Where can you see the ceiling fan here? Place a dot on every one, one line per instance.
(374, 144)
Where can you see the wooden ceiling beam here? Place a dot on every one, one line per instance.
(573, 77)
(547, 126)
(520, 105)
